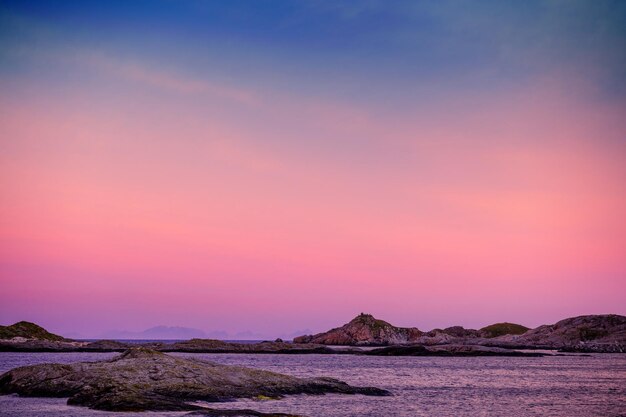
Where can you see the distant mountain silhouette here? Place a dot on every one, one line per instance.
(164, 333)
(294, 334)
(248, 335)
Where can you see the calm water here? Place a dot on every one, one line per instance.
(552, 386)
(168, 341)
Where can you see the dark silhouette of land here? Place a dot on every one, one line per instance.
(593, 333)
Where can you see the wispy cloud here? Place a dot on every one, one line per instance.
(141, 73)
(134, 71)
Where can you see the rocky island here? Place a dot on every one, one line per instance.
(28, 331)
(142, 379)
(593, 333)
(366, 330)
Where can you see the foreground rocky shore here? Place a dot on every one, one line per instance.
(594, 333)
(142, 379)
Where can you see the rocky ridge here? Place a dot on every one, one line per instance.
(593, 333)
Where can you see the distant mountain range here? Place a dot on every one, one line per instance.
(164, 333)
(186, 333)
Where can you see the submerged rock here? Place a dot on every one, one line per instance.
(447, 350)
(237, 413)
(142, 379)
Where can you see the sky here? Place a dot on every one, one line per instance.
(266, 168)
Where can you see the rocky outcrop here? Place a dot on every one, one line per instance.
(455, 334)
(595, 333)
(458, 331)
(501, 329)
(367, 330)
(27, 330)
(364, 330)
(142, 379)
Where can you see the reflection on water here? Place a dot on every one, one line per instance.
(422, 386)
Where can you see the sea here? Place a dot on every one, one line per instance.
(559, 386)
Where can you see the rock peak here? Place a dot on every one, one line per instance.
(27, 330)
(364, 329)
(364, 318)
(139, 352)
(502, 329)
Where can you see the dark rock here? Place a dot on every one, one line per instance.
(458, 331)
(142, 379)
(414, 350)
(450, 335)
(236, 413)
(447, 350)
(303, 339)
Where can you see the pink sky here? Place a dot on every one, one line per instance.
(134, 196)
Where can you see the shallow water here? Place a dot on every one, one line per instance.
(576, 386)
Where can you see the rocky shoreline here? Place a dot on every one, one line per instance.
(190, 346)
(142, 379)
